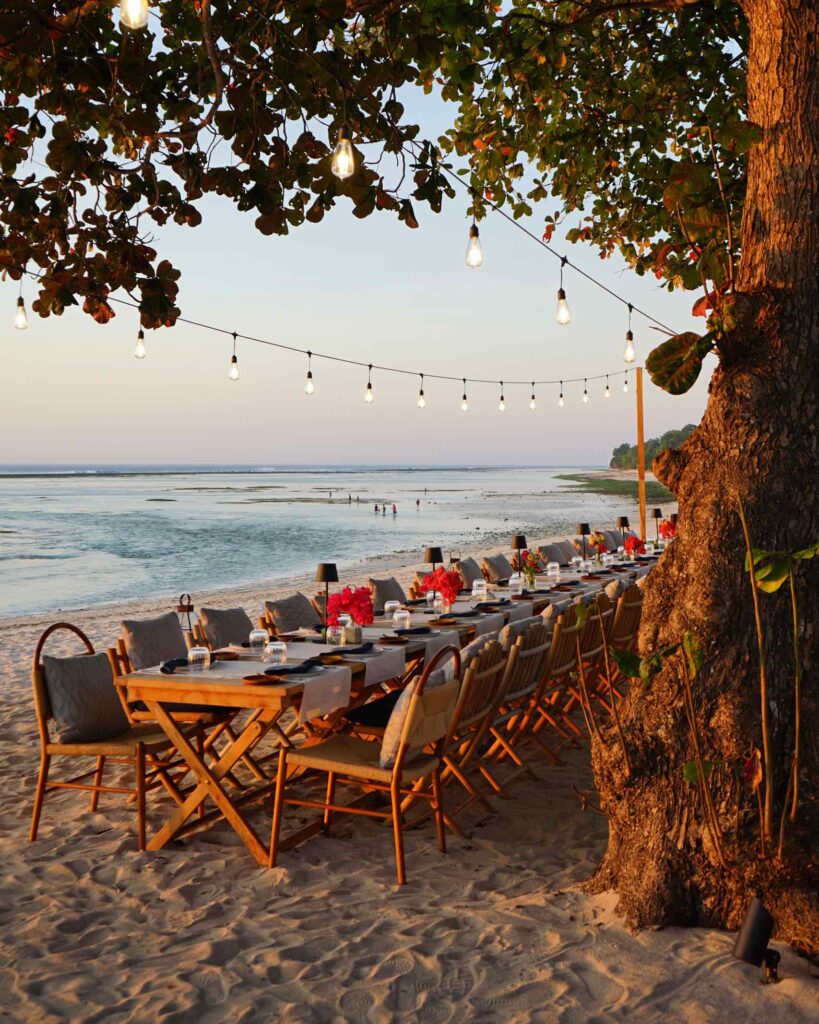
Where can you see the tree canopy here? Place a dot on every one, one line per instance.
(625, 120)
(624, 455)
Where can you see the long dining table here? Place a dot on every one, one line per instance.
(239, 682)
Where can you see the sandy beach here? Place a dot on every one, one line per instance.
(498, 930)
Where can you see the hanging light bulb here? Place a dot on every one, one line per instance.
(532, 402)
(139, 350)
(563, 314)
(343, 161)
(368, 394)
(233, 373)
(309, 387)
(474, 252)
(20, 315)
(607, 392)
(585, 391)
(629, 355)
(560, 401)
(133, 14)
(421, 400)
(502, 402)
(464, 403)
(625, 383)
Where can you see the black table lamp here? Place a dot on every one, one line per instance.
(752, 941)
(518, 545)
(583, 531)
(432, 556)
(657, 515)
(622, 524)
(674, 517)
(326, 573)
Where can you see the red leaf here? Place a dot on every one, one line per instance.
(547, 234)
(752, 771)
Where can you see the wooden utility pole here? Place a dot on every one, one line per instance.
(641, 454)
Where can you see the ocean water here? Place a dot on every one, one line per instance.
(70, 538)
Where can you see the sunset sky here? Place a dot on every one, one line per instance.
(72, 392)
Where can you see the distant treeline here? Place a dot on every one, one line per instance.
(624, 456)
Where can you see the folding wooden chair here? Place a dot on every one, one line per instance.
(143, 746)
(349, 760)
(549, 701)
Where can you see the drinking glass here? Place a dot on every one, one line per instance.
(607, 559)
(430, 598)
(335, 635)
(257, 640)
(438, 604)
(621, 553)
(401, 619)
(275, 653)
(576, 562)
(390, 608)
(479, 590)
(586, 565)
(553, 571)
(649, 549)
(198, 658)
(515, 585)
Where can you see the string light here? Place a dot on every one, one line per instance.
(343, 161)
(368, 394)
(532, 402)
(20, 315)
(464, 403)
(474, 252)
(502, 402)
(625, 382)
(233, 373)
(309, 387)
(585, 391)
(139, 349)
(607, 392)
(560, 401)
(629, 355)
(133, 14)
(563, 314)
(421, 400)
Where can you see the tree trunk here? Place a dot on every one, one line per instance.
(758, 441)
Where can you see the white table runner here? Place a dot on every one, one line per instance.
(325, 691)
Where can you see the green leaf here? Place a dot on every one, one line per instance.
(675, 364)
(806, 553)
(628, 662)
(691, 773)
(693, 654)
(582, 612)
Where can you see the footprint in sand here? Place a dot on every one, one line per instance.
(356, 1004)
(458, 982)
(210, 984)
(394, 967)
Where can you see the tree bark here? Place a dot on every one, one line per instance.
(758, 440)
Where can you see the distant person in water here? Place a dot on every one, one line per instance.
(394, 510)
(375, 509)
(417, 504)
(384, 509)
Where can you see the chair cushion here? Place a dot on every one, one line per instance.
(292, 613)
(84, 702)
(615, 539)
(510, 632)
(149, 642)
(350, 755)
(474, 648)
(386, 590)
(553, 553)
(568, 550)
(225, 626)
(498, 567)
(395, 726)
(616, 588)
(470, 571)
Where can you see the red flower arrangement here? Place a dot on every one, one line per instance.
(634, 546)
(354, 601)
(447, 582)
(668, 530)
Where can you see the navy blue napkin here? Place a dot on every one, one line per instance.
(413, 631)
(169, 667)
(293, 670)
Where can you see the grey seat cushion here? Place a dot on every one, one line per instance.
(470, 571)
(615, 538)
(225, 626)
(510, 632)
(149, 642)
(498, 567)
(84, 702)
(553, 553)
(292, 613)
(386, 590)
(568, 550)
